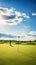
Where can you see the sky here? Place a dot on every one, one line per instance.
(18, 17)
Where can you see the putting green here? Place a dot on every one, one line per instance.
(17, 54)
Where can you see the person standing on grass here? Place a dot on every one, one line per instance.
(10, 43)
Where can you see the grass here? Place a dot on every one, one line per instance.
(18, 54)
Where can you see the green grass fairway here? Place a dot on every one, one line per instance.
(17, 55)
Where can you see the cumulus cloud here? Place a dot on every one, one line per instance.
(22, 37)
(33, 14)
(29, 36)
(32, 34)
(11, 16)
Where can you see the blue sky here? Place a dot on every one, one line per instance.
(23, 18)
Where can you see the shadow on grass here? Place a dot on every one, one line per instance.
(17, 61)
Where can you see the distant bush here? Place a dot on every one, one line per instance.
(18, 42)
(34, 40)
(31, 43)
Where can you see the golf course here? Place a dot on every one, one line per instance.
(17, 54)
(17, 32)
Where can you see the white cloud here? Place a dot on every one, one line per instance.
(18, 13)
(32, 33)
(7, 11)
(25, 16)
(9, 16)
(33, 14)
(23, 36)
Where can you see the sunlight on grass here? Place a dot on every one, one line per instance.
(17, 55)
